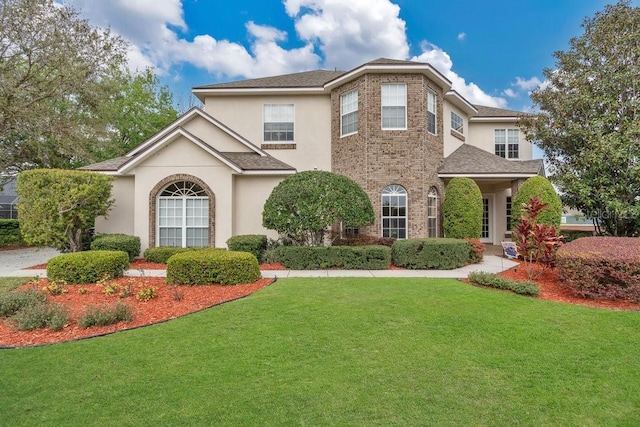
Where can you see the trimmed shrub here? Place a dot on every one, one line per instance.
(601, 267)
(462, 209)
(541, 187)
(571, 235)
(117, 242)
(344, 257)
(212, 266)
(498, 282)
(255, 244)
(103, 315)
(12, 302)
(10, 232)
(476, 251)
(430, 253)
(87, 267)
(364, 240)
(161, 254)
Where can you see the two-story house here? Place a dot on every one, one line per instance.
(395, 127)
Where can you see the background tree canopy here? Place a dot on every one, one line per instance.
(589, 121)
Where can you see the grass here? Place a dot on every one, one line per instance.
(9, 283)
(346, 351)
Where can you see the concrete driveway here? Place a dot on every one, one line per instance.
(13, 262)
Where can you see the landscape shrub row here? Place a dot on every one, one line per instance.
(344, 257)
(161, 254)
(87, 267)
(117, 242)
(212, 266)
(10, 232)
(498, 282)
(363, 240)
(255, 244)
(430, 253)
(601, 267)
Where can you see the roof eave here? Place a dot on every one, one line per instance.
(418, 68)
(476, 175)
(202, 94)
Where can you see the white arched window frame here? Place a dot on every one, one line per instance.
(183, 215)
(394, 212)
(432, 213)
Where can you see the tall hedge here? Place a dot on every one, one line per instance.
(541, 187)
(10, 232)
(462, 209)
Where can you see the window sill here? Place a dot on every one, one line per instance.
(278, 146)
(348, 134)
(458, 135)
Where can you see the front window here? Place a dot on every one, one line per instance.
(508, 213)
(432, 213)
(457, 124)
(183, 215)
(507, 143)
(394, 212)
(394, 106)
(349, 113)
(278, 122)
(431, 112)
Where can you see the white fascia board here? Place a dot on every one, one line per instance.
(511, 119)
(201, 94)
(269, 172)
(459, 101)
(434, 74)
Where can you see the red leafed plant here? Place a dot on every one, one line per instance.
(536, 243)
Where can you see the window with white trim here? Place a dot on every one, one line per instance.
(394, 212)
(457, 123)
(432, 213)
(278, 122)
(394, 106)
(183, 215)
(507, 143)
(431, 113)
(349, 113)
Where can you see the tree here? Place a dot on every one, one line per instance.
(303, 206)
(462, 209)
(589, 120)
(56, 72)
(541, 188)
(57, 206)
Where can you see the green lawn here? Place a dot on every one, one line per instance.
(343, 352)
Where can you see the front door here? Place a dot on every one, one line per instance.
(486, 235)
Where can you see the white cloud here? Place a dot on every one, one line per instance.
(443, 63)
(527, 84)
(462, 37)
(510, 93)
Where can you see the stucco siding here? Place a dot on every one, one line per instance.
(481, 135)
(213, 136)
(118, 220)
(251, 193)
(453, 140)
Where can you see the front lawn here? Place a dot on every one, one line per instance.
(347, 351)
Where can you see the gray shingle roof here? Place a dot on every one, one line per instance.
(110, 165)
(256, 162)
(473, 160)
(484, 111)
(305, 79)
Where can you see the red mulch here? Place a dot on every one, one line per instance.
(159, 309)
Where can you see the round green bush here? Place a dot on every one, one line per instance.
(462, 209)
(255, 244)
(117, 242)
(161, 254)
(212, 266)
(87, 267)
(541, 187)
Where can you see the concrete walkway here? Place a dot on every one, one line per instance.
(14, 263)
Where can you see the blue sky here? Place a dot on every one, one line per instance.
(493, 51)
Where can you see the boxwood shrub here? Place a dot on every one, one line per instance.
(10, 232)
(601, 267)
(87, 267)
(430, 253)
(344, 257)
(255, 244)
(212, 266)
(161, 254)
(117, 242)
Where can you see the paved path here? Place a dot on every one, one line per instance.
(13, 264)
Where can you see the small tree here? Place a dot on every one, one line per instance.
(56, 206)
(462, 209)
(305, 205)
(540, 187)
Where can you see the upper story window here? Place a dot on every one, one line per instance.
(394, 106)
(457, 124)
(349, 113)
(278, 122)
(507, 143)
(431, 112)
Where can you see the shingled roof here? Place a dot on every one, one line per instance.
(305, 79)
(470, 160)
(484, 111)
(111, 165)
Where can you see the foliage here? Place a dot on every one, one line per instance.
(343, 257)
(105, 315)
(10, 232)
(571, 235)
(304, 205)
(12, 302)
(362, 240)
(212, 266)
(462, 209)
(56, 287)
(117, 242)
(57, 206)
(540, 187)
(161, 254)
(147, 293)
(255, 244)
(87, 267)
(476, 250)
(588, 123)
(10, 283)
(56, 72)
(602, 267)
(495, 281)
(40, 316)
(430, 253)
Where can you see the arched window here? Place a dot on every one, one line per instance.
(432, 213)
(394, 212)
(183, 215)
